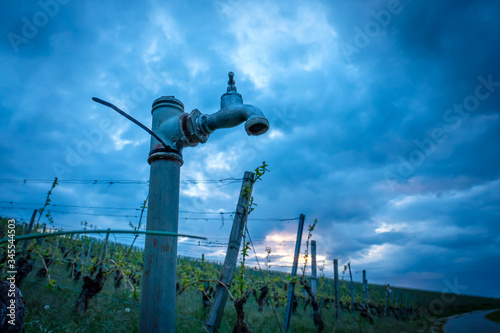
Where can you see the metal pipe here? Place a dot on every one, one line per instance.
(175, 130)
(160, 253)
(60, 233)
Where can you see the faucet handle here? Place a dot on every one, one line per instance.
(231, 83)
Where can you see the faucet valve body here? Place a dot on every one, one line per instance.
(166, 112)
(178, 129)
(194, 128)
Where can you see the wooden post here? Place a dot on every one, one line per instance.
(112, 249)
(233, 248)
(103, 255)
(314, 281)
(81, 256)
(397, 298)
(364, 290)
(352, 287)
(32, 221)
(88, 252)
(337, 288)
(30, 228)
(386, 299)
(39, 240)
(291, 287)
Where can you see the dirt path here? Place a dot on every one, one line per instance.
(472, 322)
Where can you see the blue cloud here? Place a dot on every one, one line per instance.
(354, 92)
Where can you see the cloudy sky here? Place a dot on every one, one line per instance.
(384, 125)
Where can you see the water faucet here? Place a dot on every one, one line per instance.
(179, 129)
(232, 113)
(173, 129)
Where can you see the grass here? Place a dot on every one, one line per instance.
(301, 322)
(53, 310)
(493, 316)
(107, 313)
(104, 314)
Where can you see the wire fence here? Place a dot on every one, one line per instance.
(222, 181)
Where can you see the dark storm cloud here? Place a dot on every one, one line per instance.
(353, 114)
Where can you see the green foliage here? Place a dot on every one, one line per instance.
(241, 282)
(494, 316)
(306, 251)
(51, 284)
(260, 171)
(106, 314)
(49, 217)
(47, 203)
(267, 262)
(107, 311)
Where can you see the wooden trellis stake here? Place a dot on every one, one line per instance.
(291, 287)
(233, 248)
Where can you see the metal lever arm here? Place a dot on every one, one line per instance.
(132, 119)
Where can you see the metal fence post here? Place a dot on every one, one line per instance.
(337, 287)
(314, 281)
